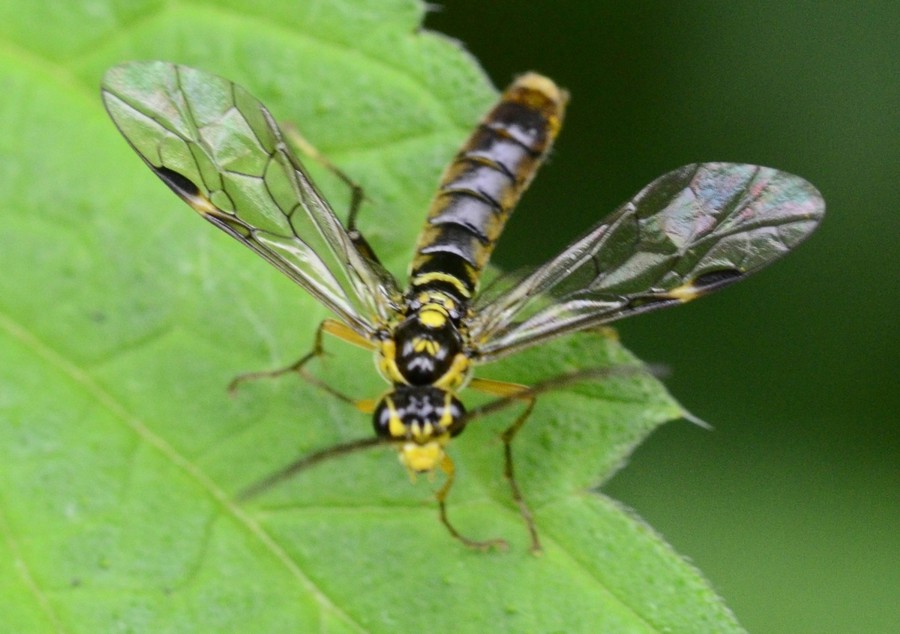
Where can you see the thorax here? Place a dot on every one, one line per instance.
(427, 347)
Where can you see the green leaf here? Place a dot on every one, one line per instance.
(123, 317)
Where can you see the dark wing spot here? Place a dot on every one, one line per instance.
(177, 183)
(716, 279)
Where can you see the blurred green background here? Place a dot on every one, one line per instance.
(791, 506)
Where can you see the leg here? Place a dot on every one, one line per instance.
(449, 469)
(307, 461)
(331, 326)
(367, 406)
(510, 393)
(356, 191)
(508, 472)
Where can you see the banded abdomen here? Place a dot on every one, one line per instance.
(482, 185)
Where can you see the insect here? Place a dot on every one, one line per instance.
(690, 232)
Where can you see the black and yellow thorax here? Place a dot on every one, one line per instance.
(427, 347)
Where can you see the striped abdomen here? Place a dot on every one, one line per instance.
(483, 184)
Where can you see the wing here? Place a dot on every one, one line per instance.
(221, 151)
(688, 233)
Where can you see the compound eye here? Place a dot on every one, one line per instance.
(457, 414)
(384, 415)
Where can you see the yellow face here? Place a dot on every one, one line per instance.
(422, 458)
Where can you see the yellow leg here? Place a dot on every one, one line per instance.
(510, 393)
(308, 149)
(449, 469)
(332, 327)
(356, 191)
(509, 473)
(498, 388)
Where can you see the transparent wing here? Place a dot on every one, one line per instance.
(688, 233)
(221, 151)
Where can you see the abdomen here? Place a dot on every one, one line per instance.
(482, 185)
